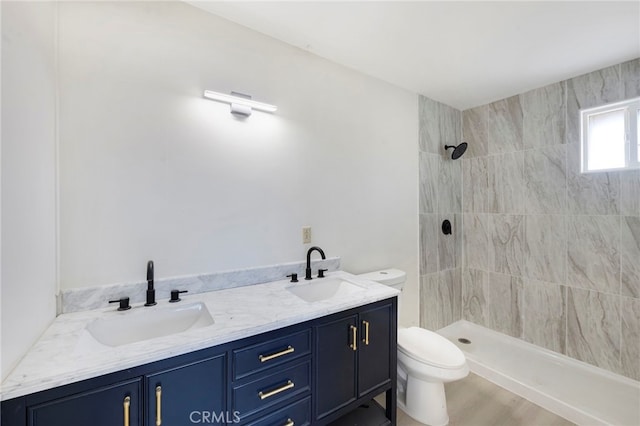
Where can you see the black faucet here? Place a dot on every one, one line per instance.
(151, 292)
(307, 275)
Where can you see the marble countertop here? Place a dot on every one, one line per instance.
(66, 353)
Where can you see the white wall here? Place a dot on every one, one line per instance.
(2, 369)
(28, 176)
(151, 170)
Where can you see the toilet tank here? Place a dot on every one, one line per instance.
(392, 277)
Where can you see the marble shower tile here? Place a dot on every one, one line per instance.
(506, 244)
(429, 125)
(475, 294)
(449, 296)
(505, 304)
(544, 111)
(450, 186)
(475, 131)
(590, 193)
(545, 315)
(429, 302)
(545, 180)
(476, 241)
(505, 126)
(450, 127)
(450, 246)
(429, 170)
(630, 256)
(475, 185)
(506, 183)
(630, 353)
(630, 75)
(593, 328)
(545, 248)
(429, 231)
(593, 253)
(630, 193)
(590, 90)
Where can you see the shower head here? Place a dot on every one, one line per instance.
(457, 150)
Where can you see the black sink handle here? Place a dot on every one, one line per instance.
(175, 295)
(124, 303)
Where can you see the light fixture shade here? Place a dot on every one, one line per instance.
(240, 104)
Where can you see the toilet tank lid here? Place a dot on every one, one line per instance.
(386, 276)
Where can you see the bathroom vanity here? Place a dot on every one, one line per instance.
(309, 372)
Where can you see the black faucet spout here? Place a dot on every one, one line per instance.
(307, 275)
(151, 291)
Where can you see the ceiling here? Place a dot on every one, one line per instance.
(463, 54)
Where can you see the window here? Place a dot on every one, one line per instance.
(610, 136)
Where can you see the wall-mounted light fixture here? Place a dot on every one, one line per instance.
(240, 104)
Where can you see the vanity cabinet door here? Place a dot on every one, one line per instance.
(335, 364)
(115, 405)
(188, 394)
(374, 353)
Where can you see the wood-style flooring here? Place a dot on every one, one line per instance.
(474, 401)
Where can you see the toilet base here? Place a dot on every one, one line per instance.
(425, 402)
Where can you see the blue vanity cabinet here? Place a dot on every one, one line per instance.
(335, 359)
(312, 373)
(193, 382)
(375, 349)
(355, 360)
(188, 393)
(272, 378)
(265, 392)
(271, 350)
(296, 414)
(113, 405)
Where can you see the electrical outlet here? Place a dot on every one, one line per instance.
(306, 235)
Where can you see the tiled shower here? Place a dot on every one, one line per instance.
(539, 251)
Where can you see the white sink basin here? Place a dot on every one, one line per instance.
(323, 289)
(148, 323)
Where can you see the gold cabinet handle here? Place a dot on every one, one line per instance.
(158, 405)
(265, 395)
(354, 338)
(289, 423)
(125, 404)
(366, 332)
(265, 358)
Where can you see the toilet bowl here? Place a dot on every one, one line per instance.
(426, 361)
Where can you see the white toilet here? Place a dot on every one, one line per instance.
(426, 361)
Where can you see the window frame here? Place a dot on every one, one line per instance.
(631, 118)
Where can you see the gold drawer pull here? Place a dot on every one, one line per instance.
(158, 405)
(265, 358)
(125, 405)
(289, 423)
(265, 395)
(354, 338)
(366, 332)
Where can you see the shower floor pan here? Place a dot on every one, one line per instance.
(579, 392)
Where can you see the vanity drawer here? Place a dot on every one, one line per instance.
(261, 356)
(296, 414)
(287, 383)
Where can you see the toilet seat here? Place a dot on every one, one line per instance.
(430, 348)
